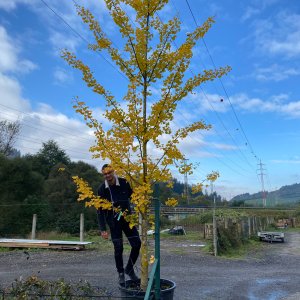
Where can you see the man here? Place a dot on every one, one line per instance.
(118, 191)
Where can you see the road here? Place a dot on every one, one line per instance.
(270, 273)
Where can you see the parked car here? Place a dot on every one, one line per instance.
(271, 236)
(178, 229)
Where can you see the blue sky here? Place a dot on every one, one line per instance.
(254, 111)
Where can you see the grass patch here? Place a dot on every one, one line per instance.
(54, 235)
(190, 236)
(251, 247)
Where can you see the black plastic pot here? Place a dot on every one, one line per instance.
(130, 290)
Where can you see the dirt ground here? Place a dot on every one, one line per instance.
(268, 274)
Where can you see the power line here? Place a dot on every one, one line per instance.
(224, 89)
(262, 183)
(74, 29)
(48, 121)
(205, 96)
(219, 118)
(80, 36)
(217, 158)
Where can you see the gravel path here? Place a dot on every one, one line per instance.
(270, 274)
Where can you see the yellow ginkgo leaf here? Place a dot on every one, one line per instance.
(152, 259)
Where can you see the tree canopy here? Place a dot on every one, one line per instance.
(148, 61)
(8, 134)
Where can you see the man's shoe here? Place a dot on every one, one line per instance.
(131, 275)
(121, 278)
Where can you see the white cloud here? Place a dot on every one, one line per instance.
(45, 123)
(9, 55)
(223, 146)
(279, 98)
(285, 161)
(9, 5)
(277, 103)
(256, 8)
(195, 147)
(42, 124)
(280, 35)
(291, 109)
(62, 76)
(66, 28)
(11, 95)
(61, 40)
(208, 102)
(250, 12)
(275, 72)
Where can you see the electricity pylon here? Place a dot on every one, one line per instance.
(264, 199)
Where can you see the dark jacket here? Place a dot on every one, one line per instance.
(119, 195)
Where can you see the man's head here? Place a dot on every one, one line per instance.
(108, 173)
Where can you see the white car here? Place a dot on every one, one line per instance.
(271, 236)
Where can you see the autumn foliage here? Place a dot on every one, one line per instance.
(148, 60)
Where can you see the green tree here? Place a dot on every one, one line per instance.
(60, 194)
(9, 132)
(19, 186)
(47, 157)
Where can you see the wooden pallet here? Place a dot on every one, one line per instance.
(62, 245)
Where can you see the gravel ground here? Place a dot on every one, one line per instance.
(270, 274)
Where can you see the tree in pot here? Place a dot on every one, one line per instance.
(141, 123)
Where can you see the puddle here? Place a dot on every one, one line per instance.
(270, 288)
(275, 295)
(193, 245)
(269, 280)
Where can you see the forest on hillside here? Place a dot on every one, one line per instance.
(33, 184)
(287, 195)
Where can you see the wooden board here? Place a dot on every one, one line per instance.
(23, 243)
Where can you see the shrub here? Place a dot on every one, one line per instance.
(34, 288)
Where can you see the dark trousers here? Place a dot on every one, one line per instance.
(132, 235)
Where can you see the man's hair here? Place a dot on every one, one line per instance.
(106, 166)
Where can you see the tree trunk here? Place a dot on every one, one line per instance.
(144, 255)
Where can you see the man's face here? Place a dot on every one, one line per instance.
(108, 173)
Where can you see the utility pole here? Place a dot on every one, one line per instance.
(214, 222)
(186, 188)
(264, 200)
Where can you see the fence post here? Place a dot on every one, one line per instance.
(215, 229)
(157, 248)
(242, 228)
(81, 227)
(249, 227)
(33, 228)
(226, 223)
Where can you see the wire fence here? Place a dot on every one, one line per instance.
(191, 220)
(180, 231)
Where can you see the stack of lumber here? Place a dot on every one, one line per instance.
(25, 243)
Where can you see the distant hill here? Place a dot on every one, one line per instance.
(285, 196)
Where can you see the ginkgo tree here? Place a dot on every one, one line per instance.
(150, 62)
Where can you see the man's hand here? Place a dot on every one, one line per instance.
(104, 235)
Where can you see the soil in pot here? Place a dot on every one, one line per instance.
(131, 290)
